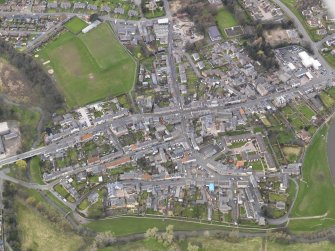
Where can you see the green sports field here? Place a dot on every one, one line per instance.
(316, 190)
(89, 67)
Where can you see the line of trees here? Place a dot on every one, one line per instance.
(263, 53)
(241, 16)
(201, 13)
(39, 80)
(10, 223)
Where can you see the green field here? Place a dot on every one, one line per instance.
(28, 122)
(131, 225)
(329, 58)
(331, 92)
(299, 117)
(35, 171)
(216, 244)
(63, 192)
(315, 189)
(83, 205)
(58, 202)
(237, 144)
(327, 100)
(90, 67)
(75, 25)
(39, 234)
(225, 19)
(257, 165)
(306, 111)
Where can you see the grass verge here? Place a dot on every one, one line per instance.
(40, 235)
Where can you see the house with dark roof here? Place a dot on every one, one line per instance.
(214, 33)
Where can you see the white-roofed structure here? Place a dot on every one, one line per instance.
(309, 75)
(308, 61)
(316, 64)
(163, 21)
(4, 129)
(91, 26)
(291, 66)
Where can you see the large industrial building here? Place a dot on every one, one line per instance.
(309, 61)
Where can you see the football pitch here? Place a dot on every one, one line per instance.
(89, 67)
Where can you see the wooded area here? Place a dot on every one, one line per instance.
(39, 80)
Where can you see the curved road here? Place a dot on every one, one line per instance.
(305, 34)
(285, 218)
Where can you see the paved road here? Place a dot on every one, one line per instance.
(47, 187)
(178, 109)
(284, 219)
(305, 34)
(323, 80)
(325, 39)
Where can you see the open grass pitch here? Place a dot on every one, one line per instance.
(89, 67)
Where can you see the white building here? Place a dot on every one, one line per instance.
(163, 21)
(91, 26)
(291, 66)
(308, 61)
(4, 129)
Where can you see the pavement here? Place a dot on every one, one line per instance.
(301, 29)
(179, 109)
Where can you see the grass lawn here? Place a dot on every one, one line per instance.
(75, 25)
(63, 192)
(90, 67)
(28, 122)
(327, 100)
(329, 58)
(215, 244)
(298, 117)
(225, 19)
(40, 235)
(58, 201)
(306, 111)
(265, 120)
(316, 188)
(83, 205)
(291, 153)
(154, 14)
(35, 171)
(274, 197)
(331, 92)
(131, 225)
(36, 195)
(257, 165)
(237, 144)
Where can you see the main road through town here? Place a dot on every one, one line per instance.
(321, 80)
